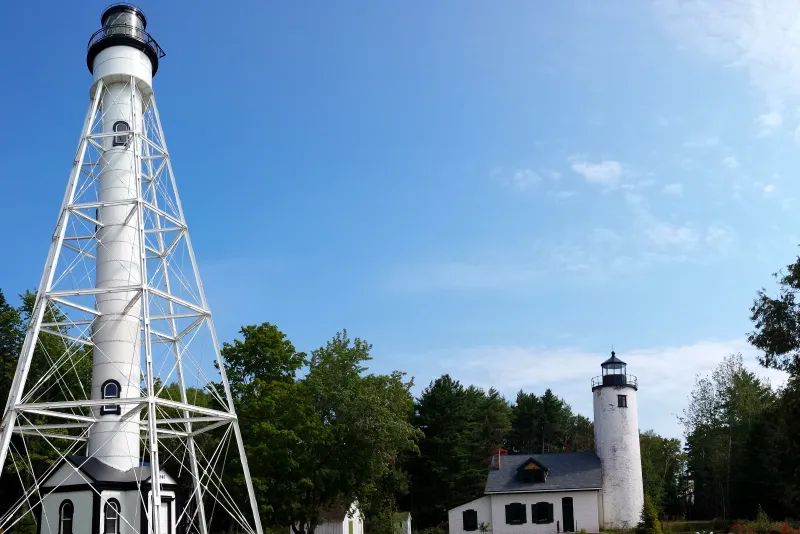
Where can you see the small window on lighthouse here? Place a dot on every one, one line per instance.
(65, 513)
(112, 517)
(622, 401)
(110, 390)
(121, 140)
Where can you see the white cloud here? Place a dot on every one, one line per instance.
(730, 162)
(568, 372)
(665, 235)
(673, 189)
(605, 172)
(766, 189)
(762, 37)
(767, 122)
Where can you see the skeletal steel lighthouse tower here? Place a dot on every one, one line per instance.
(120, 381)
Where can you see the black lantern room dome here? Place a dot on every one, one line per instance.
(614, 373)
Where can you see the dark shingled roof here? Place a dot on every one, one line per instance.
(566, 471)
(101, 471)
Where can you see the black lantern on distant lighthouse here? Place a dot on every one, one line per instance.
(614, 372)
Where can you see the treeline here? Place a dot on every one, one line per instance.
(321, 431)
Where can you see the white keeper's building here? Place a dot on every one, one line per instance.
(570, 491)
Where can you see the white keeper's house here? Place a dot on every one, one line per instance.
(569, 491)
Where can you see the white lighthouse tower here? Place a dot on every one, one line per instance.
(616, 441)
(120, 379)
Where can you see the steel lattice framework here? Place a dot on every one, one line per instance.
(186, 412)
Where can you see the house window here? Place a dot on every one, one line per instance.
(350, 528)
(542, 512)
(112, 517)
(65, 512)
(622, 401)
(470, 520)
(110, 390)
(515, 514)
(533, 475)
(121, 140)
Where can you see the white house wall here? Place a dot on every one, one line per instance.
(130, 510)
(82, 518)
(492, 509)
(584, 506)
(482, 506)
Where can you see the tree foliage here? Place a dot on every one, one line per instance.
(542, 424)
(461, 427)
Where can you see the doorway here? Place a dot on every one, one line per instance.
(568, 514)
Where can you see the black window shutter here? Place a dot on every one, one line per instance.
(534, 512)
(508, 514)
(549, 512)
(470, 520)
(524, 514)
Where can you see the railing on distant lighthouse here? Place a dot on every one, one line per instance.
(615, 380)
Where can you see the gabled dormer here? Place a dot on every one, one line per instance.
(532, 472)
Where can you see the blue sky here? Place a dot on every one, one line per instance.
(500, 193)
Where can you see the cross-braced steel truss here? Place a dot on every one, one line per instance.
(183, 406)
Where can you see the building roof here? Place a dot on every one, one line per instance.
(100, 471)
(613, 359)
(565, 471)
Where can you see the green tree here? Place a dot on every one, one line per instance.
(662, 469)
(649, 523)
(461, 426)
(777, 322)
(320, 442)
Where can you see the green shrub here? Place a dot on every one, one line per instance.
(649, 524)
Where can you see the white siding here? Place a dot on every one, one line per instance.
(341, 527)
(482, 506)
(82, 518)
(616, 438)
(130, 521)
(584, 506)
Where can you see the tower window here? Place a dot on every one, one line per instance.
(470, 520)
(622, 401)
(110, 390)
(112, 517)
(121, 140)
(65, 512)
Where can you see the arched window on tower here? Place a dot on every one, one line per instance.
(110, 390)
(65, 513)
(111, 517)
(121, 140)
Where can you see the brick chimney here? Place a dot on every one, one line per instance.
(496, 457)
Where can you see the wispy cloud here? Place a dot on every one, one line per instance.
(519, 179)
(605, 172)
(758, 36)
(768, 122)
(673, 189)
(730, 162)
(536, 368)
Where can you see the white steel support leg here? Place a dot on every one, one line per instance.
(32, 335)
(155, 470)
(214, 341)
(196, 486)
